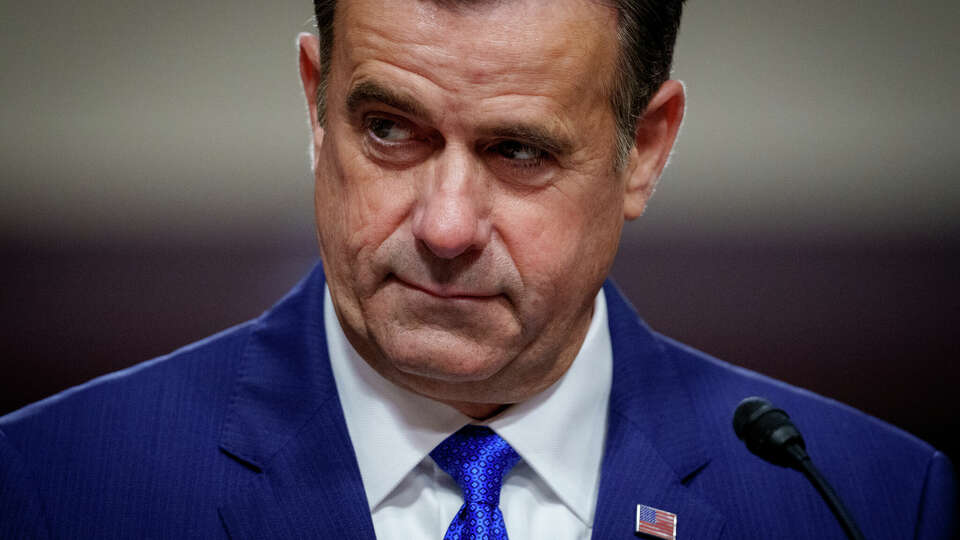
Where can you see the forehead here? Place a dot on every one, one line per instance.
(558, 50)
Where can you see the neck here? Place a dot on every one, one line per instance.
(478, 411)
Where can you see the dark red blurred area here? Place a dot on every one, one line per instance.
(872, 324)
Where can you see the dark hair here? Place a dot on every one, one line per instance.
(646, 32)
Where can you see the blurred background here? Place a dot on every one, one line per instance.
(155, 188)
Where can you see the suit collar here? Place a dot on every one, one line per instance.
(654, 446)
(649, 390)
(284, 376)
(286, 426)
(285, 379)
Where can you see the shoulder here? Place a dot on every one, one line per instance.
(718, 387)
(191, 379)
(142, 452)
(889, 478)
(98, 449)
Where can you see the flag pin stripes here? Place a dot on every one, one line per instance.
(656, 523)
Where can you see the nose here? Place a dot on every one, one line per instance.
(452, 215)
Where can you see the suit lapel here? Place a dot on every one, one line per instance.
(310, 489)
(286, 427)
(653, 447)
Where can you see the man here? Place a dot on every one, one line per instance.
(459, 366)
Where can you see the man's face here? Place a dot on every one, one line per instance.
(467, 205)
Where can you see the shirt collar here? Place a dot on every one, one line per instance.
(381, 415)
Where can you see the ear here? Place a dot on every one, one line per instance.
(653, 140)
(308, 46)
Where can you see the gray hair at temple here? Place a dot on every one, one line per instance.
(646, 31)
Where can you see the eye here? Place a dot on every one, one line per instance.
(523, 154)
(521, 163)
(393, 141)
(389, 130)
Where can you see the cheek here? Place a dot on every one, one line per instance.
(543, 238)
(563, 240)
(358, 207)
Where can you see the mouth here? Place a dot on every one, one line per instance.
(445, 292)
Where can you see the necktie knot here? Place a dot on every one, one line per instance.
(477, 459)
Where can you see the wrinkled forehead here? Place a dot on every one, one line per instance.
(482, 42)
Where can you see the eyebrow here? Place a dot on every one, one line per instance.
(534, 134)
(367, 91)
(371, 91)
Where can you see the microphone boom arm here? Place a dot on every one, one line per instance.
(830, 496)
(769, 434)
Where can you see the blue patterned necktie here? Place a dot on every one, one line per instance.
(478, 459)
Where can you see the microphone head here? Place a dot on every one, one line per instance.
(768, 432)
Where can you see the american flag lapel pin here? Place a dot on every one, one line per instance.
(656, 523)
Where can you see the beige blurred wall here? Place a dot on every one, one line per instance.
(183, 121)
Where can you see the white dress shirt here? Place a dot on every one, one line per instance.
(559, 433)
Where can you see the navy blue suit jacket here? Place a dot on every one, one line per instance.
(242, 436)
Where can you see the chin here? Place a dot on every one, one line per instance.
(420, 336)
(441, 356)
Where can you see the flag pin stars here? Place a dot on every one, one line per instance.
(656, 523)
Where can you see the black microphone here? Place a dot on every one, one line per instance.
(769, 434)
